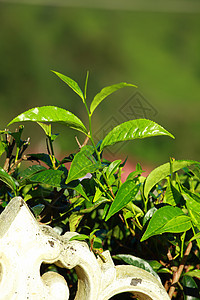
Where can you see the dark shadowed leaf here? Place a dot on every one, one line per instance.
(50, 177)
(190, 288)
(30, 171)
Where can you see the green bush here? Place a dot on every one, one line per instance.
(151, 222)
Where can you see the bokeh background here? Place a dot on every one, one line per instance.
(153, 44)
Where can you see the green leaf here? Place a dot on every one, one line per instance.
(37, 209)
(112, 168)
(172, 195)
(86, 83)
(125, 194)
(137, 262)
(46, 128)
(133, 129)
(74, 221)
(50, 177)
(52, 114)
(155, 264)
(98, 194)
(83, 163)
(100, 201)
(71, 83)
(2, 147)
(8, 180)
(133, 174)
(80, 237)
(149, 214)
(41, 157)
(193, 206)
(195, 237)
(163, 171)
(17, 136)
(105, 92)
(27, 173)
(167, 219)
(193, 273)
(190, 288)
(76, 185)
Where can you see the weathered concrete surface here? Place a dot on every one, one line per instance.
(25, 245)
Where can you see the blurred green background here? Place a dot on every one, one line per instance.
(155, 45)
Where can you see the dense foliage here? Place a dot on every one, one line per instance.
(151, 222)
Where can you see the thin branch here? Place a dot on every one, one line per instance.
(84, 143)
(177, 274)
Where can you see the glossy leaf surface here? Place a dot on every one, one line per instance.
(105, 92)
(83, 163)
(52, 114)
(125, 194)
(190, 288)
(50, 177)
(137, 262)
(71, 83)
(133, 129)
(30, 171)
(193, 206)
(7, 179)
(163, 171)
(172, 195)
(167, 219)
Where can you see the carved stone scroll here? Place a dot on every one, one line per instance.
(25, 245)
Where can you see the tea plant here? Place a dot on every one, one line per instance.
(151, 222)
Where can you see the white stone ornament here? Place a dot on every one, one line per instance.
(25, 245)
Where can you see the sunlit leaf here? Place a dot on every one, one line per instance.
(52, 114)
(125, 194)
(193, 273)
(71, 83)
(112, 168)
(76, 185)
(133, 129)
(195, 237)
(105, 92)
(167, 219)
(8, 180)
(83, 163)
(192, 205)
(2, 147)
(163, 171)
(149, 214)
(79, 237)
(172, 195)
(46, 128)
(137, 262)
(74, 221)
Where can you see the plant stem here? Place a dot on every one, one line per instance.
(95, 148)
(177, 274)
